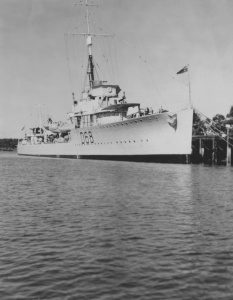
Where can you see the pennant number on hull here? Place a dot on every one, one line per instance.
(86, 138)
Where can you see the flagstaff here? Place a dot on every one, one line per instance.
(184, 70)
(190, 99)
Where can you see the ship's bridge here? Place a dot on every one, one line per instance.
(118, 112)
(99, 89)
(129, 108)
(99, 96)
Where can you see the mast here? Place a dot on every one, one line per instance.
(87, 13)
(89, 34)
(90, 71)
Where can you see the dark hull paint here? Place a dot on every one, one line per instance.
(179, 159)
(52, 156)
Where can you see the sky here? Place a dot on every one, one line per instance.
(154, 40)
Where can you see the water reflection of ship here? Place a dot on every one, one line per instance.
(103, 125)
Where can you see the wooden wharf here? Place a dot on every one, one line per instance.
(212, 150)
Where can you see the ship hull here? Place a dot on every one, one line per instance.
(58, 150)
(153, 138)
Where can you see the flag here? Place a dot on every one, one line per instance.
(185, 69)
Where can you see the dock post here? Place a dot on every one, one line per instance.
(214, 156)
(228, 158)
(201, 149)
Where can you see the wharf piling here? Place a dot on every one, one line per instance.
(212, 150)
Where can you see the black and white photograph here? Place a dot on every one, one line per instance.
(116, 149)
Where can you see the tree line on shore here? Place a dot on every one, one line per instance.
(8, 144)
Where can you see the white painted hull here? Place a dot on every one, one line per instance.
(149, 137)
(49, 150)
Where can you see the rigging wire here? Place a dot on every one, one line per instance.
(116, 59)
(96, 72)
(104, 76)
(111, 61)
(105, 48)
(105, 55)
(75, 53)
(73, 24)
(103, 51)
(146, 61)
(67, 59)
(81, 87)
(147, 65)
(142, 59)
(155, 85)
(215, 128)
(75, 62)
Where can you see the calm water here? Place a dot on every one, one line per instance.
(76, 229)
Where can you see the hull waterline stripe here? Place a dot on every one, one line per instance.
(51, 156)
(181, 158)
